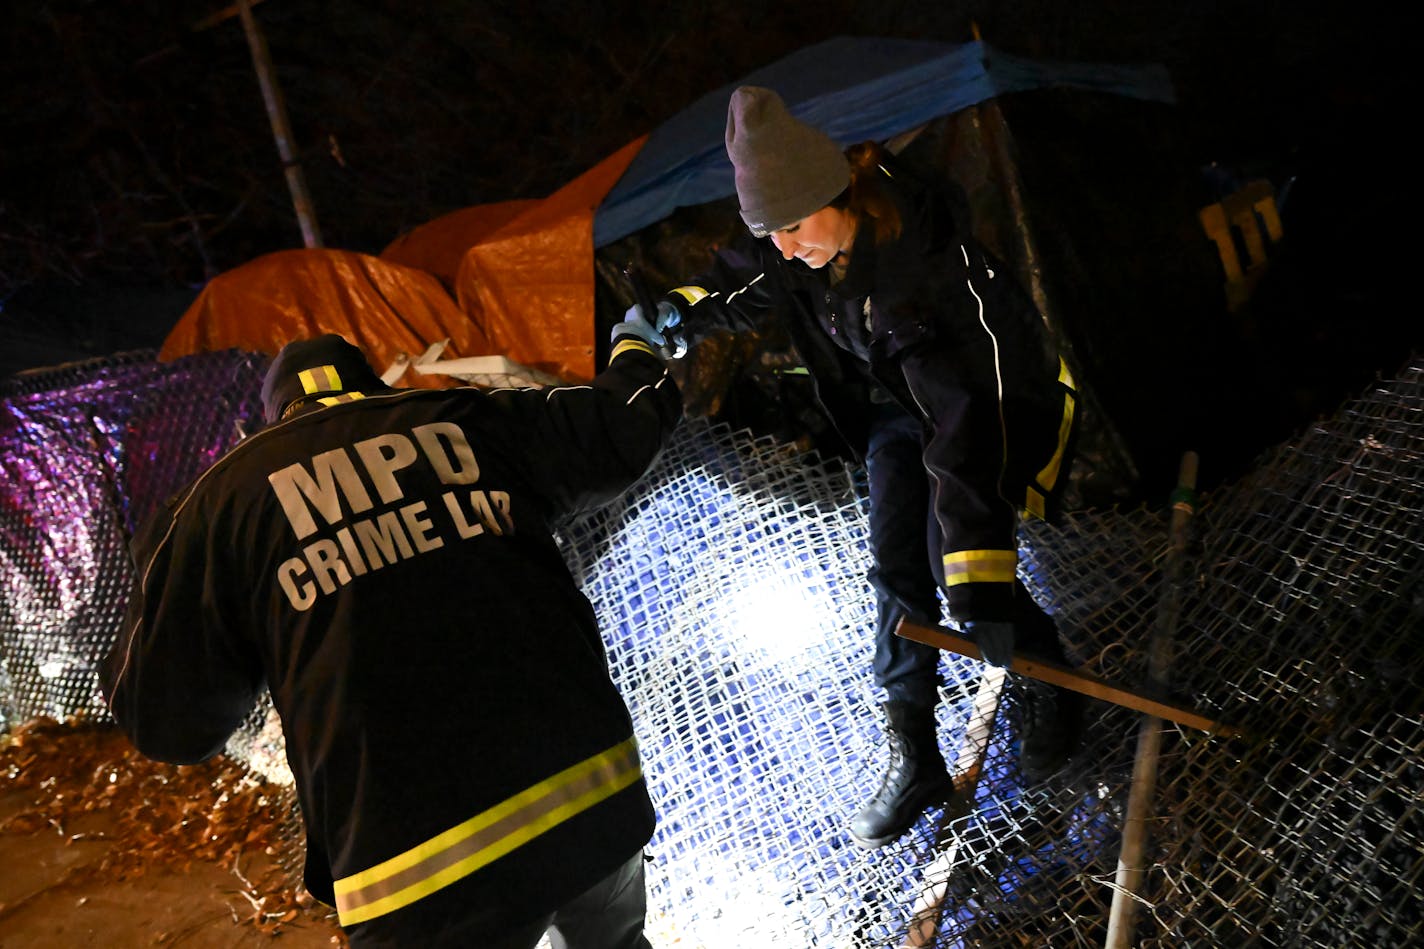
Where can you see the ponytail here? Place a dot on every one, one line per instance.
(866, 197)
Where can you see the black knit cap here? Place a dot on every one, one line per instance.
(323, 367)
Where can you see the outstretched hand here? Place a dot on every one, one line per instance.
(665, 337)
(636, 325)
(669, 323)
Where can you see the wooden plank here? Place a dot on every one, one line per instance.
(1064, 677)
(968, 767)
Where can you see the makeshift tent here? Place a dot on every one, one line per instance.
(518, 277)
(508, 279)
(385, 308)
(855, 90)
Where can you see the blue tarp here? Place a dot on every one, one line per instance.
(856, 89)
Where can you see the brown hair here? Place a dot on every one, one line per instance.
(866, 197)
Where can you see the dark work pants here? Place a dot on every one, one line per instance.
(609, 915)
(904, 547)
(906, 551)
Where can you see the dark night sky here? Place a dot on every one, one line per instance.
(138, 160)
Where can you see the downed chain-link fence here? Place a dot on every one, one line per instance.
(730, 584)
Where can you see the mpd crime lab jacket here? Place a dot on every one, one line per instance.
(386, 568)
(932, 321)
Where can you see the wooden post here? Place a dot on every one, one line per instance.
(281, 129)
(1130, 866)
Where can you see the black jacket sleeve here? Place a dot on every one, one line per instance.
(733, 294)
(182, 676)
(607, 433)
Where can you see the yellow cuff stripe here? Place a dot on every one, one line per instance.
(980, 566)
(484, 838)
(320, 379)
(690, 294)
(630, 342)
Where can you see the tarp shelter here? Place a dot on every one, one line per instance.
(511, 279)
(517, 278)
(385, 308)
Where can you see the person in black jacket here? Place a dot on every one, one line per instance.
(934, 366)
(382, 561)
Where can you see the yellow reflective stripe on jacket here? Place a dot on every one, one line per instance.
(690, 294)
(627, 343)
(320, 379)
(1048, 477)
(343, 397)
(1035, 503)
(980, 566)
(484, 838)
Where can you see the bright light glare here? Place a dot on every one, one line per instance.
(778, 618)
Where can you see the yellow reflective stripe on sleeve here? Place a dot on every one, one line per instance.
(627, 343)
(690, 294)
(484, 838)
(1034, 503)
(320, 379)
(343, 397)
(1048, 477)
(980, 566)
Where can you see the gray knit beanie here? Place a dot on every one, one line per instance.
(785, 169)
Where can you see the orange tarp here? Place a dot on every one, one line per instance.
(382, 307)
(512, 278)
(530, 283)
(439, 246)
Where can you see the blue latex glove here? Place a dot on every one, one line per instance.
(665, 335)
(668, 315)
(636, 325)
(669, 323)
(994, 639)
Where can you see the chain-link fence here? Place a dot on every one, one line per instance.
(730, 583)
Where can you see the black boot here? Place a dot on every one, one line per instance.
(915, 778)
(1049, 724)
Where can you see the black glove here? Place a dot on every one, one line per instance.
(995, 640)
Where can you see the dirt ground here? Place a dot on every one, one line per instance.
(101, 847)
